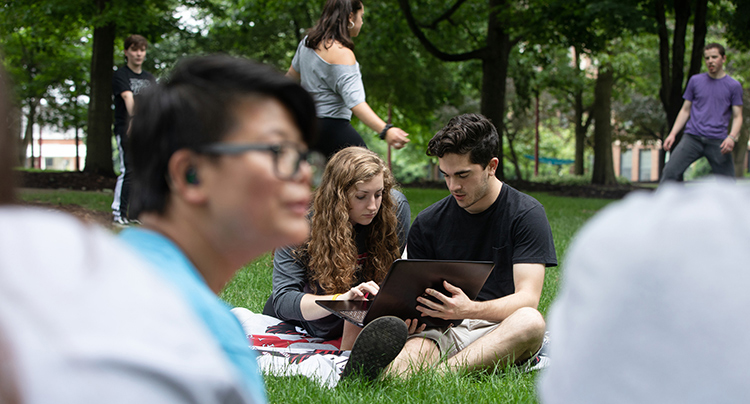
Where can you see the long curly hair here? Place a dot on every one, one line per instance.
(331, 251)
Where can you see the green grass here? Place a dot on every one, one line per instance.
(566, 216)
(94, 200)
(252, 285)
(420, 198)
(424, 387)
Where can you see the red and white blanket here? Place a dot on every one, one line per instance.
(286, 350)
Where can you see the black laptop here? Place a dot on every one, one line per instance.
(408, 279)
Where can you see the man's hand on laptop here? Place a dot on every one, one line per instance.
(414, 326)
(455, 307)
(363, 291)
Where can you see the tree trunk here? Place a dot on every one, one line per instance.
(580, 130)
(99, 140)
(494, 73)
(15, 115)
(28, 136)
(604, 170)
(682, 15)
(699, 37)
(740, 149)
(514, 157)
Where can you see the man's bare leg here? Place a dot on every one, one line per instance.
(416, 354)
(516, 338)
(349, 335)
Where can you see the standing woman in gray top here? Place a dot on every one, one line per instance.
(326, 67)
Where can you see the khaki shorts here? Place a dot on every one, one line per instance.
(453, 339)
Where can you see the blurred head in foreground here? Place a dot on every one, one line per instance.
(653, 302)
(221, 160)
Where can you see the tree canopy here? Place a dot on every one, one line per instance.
(602, 64)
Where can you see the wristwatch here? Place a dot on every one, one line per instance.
(385, 130)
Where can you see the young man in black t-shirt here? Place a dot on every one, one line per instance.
(482, 219)
(127, 82)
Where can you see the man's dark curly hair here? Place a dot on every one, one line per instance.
(467, 133)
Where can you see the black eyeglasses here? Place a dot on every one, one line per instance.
(287, 157)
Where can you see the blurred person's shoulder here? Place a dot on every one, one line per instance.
(89, 321)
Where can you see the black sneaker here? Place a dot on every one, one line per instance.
(375, 347)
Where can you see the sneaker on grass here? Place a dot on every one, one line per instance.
(376, 346)
(540, 360)
(124, 222)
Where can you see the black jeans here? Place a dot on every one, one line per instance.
(336, 134)
(693, 147)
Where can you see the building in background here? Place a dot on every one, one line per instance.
(55, 151)
(640, 162)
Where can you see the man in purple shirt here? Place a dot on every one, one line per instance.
(710, 100)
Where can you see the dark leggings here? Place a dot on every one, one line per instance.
(336, 134)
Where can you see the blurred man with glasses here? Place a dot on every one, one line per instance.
(223, 175)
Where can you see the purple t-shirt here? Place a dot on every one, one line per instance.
(712, 101)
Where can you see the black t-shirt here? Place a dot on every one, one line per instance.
(125, 79)
(512, 230)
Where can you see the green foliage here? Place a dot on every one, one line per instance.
(396, 70)
(590, 25)
(737, 14)
(535, 69)
(47, 47)
(404, 75)
(266, 31)
(465, 30)
(39, 52)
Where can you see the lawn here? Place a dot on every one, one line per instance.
(94, 200)
(252, 285)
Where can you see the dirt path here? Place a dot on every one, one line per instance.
(87, 215)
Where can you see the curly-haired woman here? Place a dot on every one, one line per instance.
(357, 230)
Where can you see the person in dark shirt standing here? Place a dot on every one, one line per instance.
(127, 82)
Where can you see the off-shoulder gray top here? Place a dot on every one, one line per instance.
(335, 88)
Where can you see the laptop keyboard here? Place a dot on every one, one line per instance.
(357, 315)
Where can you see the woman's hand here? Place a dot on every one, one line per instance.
(396, 137)
(363, 291)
